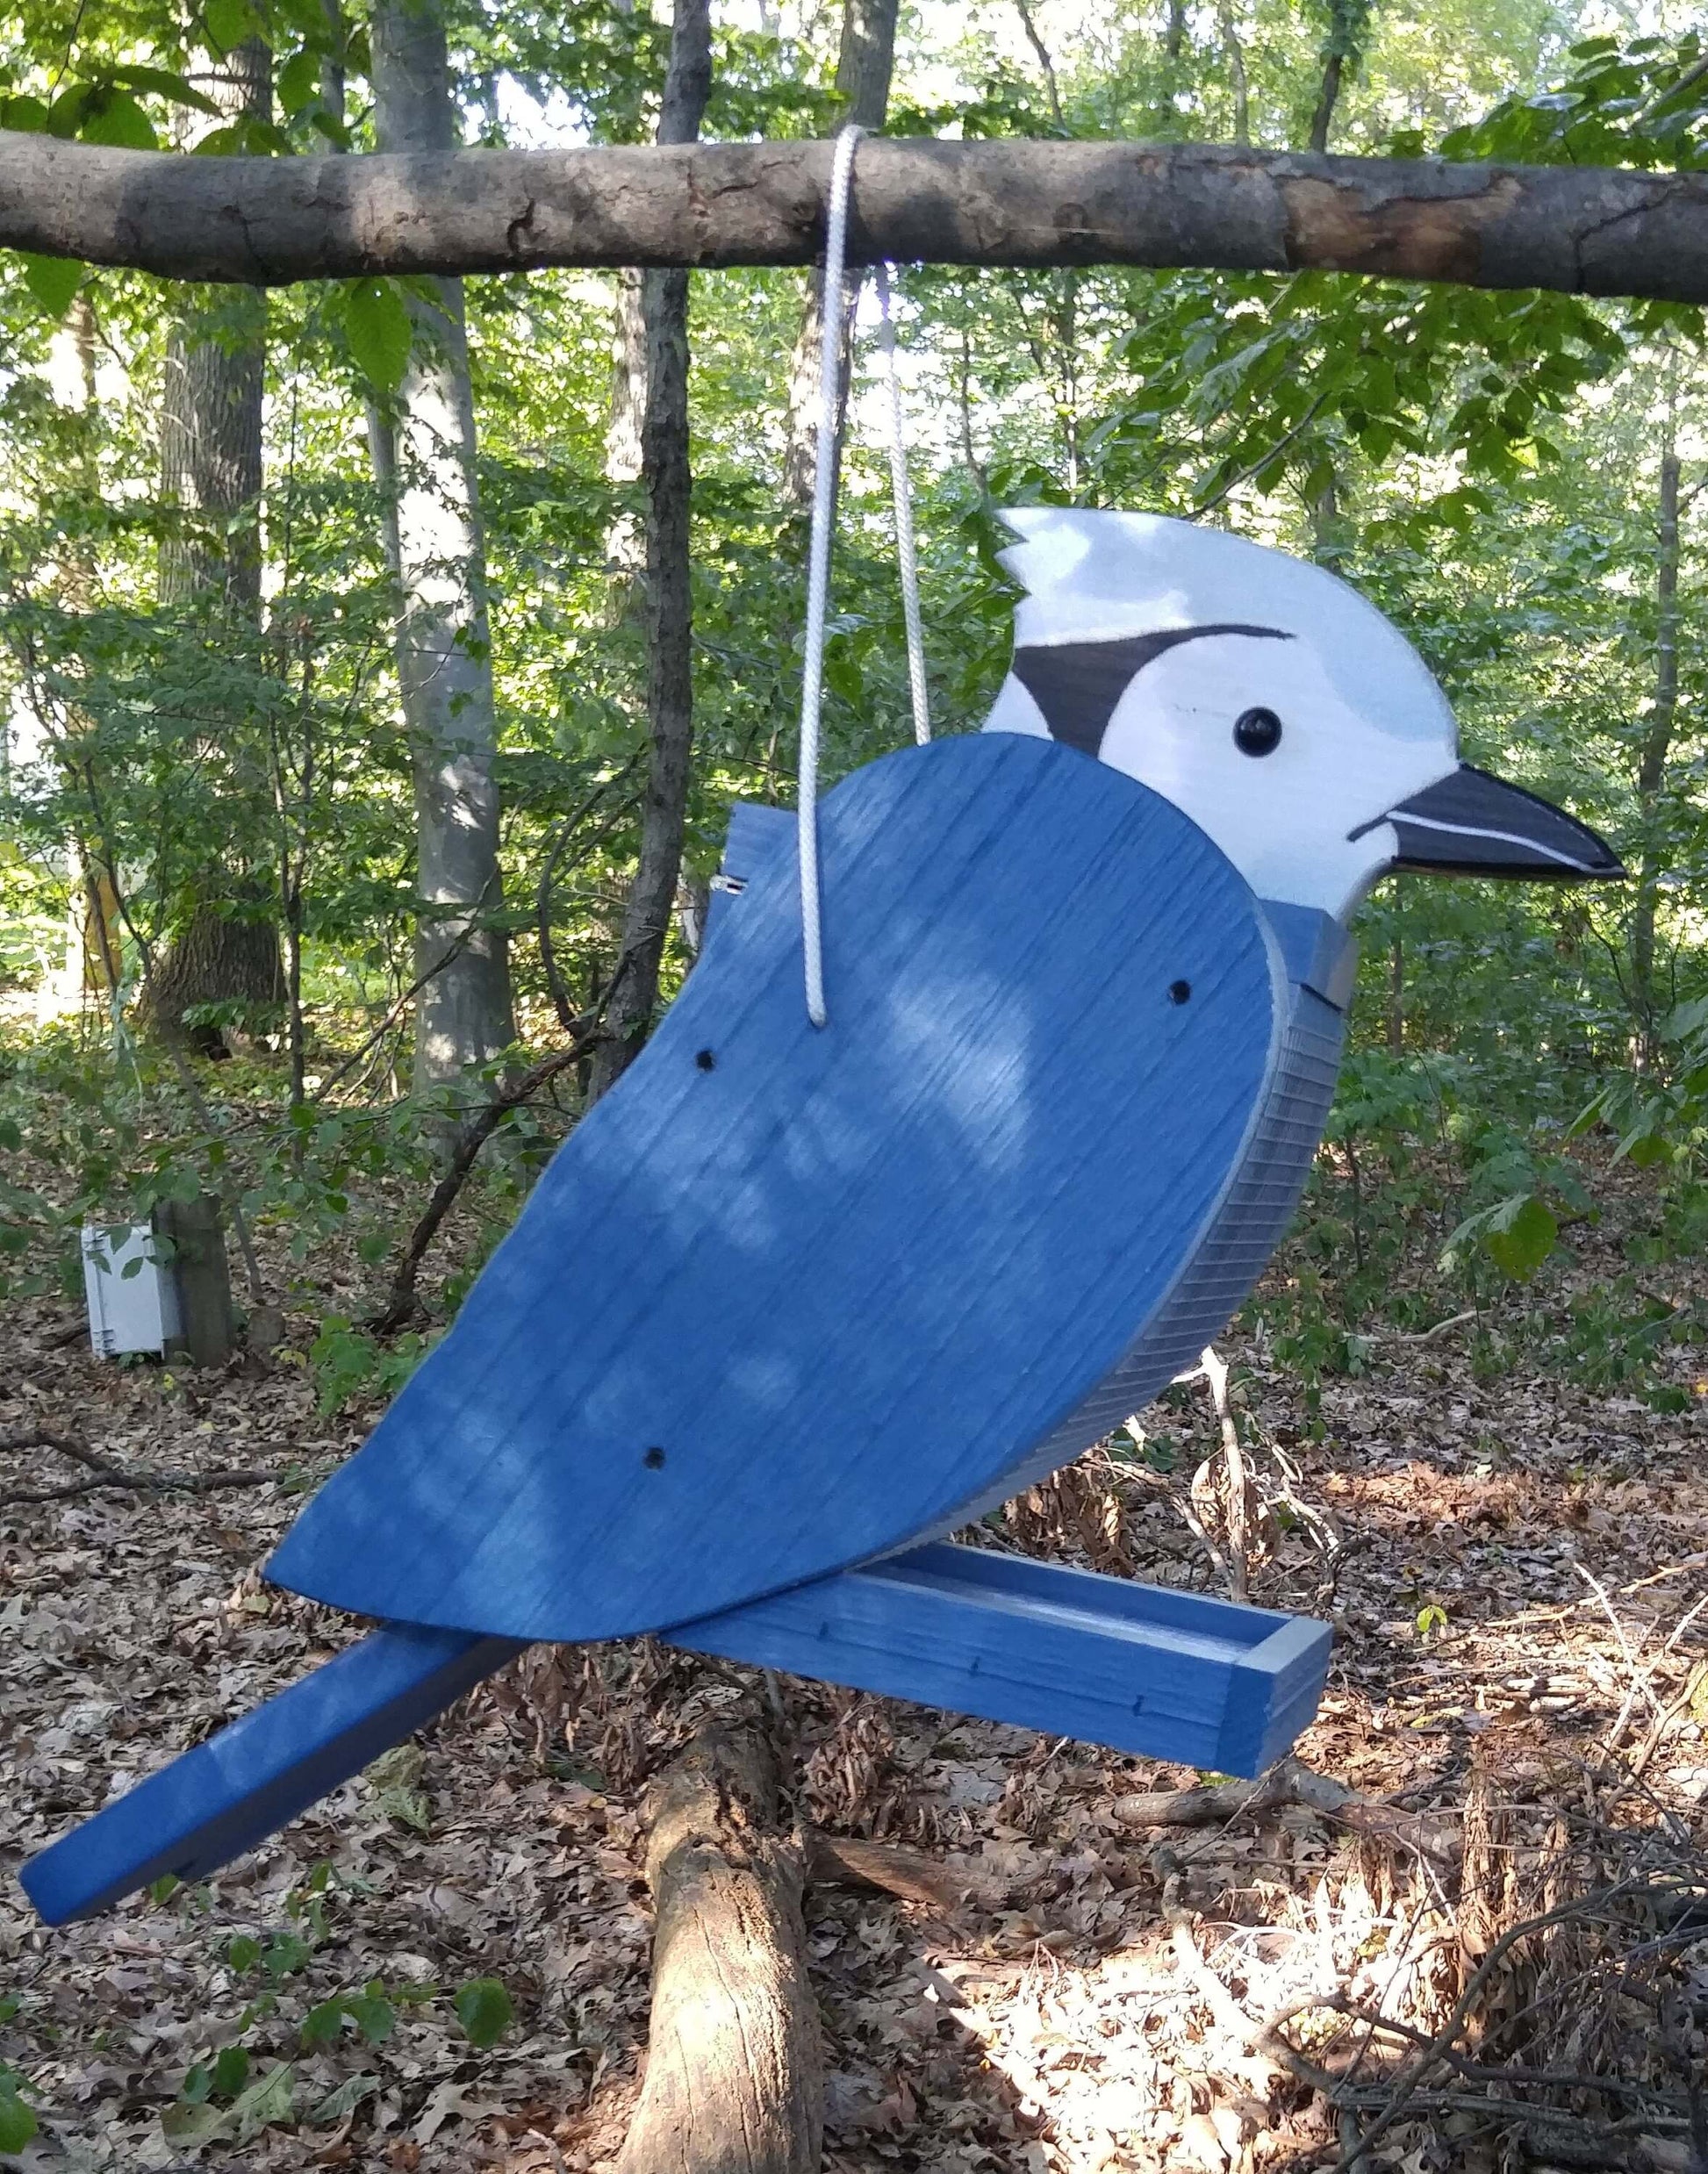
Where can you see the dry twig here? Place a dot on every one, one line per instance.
(103, 1472)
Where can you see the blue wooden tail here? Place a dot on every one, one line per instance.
(243, 1784)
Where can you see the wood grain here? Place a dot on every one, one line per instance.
(734, 2070)
(788, 1298)
(1578, 230)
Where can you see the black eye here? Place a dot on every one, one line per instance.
(1256, 732)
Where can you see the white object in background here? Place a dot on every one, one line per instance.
(137, 1312)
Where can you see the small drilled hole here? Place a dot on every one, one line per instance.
(707, 1061)
(654, 1460)
(1179, 992)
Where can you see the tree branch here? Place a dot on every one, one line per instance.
(401, 1303)
(268, 221)
(104, 1474)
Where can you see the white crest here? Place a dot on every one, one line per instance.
(1363, 725)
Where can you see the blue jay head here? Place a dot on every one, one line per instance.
(1269, 701)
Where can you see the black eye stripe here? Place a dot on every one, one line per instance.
(1078, 684)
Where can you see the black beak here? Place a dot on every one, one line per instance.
(1469, 823)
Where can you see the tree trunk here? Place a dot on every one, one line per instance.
(216, 368)
(227, 953)
(665, 467)
(1657, 739)
(424, 460)
(625, 541)
(1327, 98)
(206, 1329)
(1234, 53)
(1349, 23)
(864, 64)
(734, 2082)
(222, 956)
(1397, 995)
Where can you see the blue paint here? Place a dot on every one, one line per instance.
(992, 1209)
(231, 1792)
(702, 1366)
(1140, 1668)
(1136, 1668)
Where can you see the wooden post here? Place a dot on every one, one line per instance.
(733, 2075)
(204, 1278)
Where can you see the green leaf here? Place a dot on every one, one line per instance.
(167, 1885)
(344, 2099)
(1519, 1235)
(300, 81)
(18, 2122)
(228, 23)
(187, 2122)
(395, 1779)
(377, 324)
(164, 84)
(484, 2010)
(115, 118)
(231, 2070)
(282, 1955)
(51, 280)
(28, 116)
(266, 2101)
(373, 2016)
(244, 1952)
(322, 2024)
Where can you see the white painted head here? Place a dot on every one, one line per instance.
(1268, 700)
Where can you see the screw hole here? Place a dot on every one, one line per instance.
(706, 1060)
(1179, 992)
(654, 1460)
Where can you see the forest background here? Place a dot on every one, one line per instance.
(366, 759)
(325, 630)
(210, 824)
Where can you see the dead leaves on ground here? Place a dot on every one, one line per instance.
(1518, 1560)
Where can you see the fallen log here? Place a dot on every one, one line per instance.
(1288, 1782)
(733, 2075)
(834, 1860)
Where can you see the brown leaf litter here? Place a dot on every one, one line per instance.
(1513, 1566)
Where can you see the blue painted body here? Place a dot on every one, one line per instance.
(777, 1260)
(226, 1795)
(855, 1286)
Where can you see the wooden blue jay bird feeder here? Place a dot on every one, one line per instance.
(792, 1304)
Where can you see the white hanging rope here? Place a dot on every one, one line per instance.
(818, 564)
(904, 517)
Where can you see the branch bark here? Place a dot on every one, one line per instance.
(834, 1860)
(401, 1304)
(1579, 230)
(864, 64)
(103, 1472)
(733, 2076)
(1289, 1783)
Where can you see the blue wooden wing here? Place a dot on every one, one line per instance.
(788, 1298)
